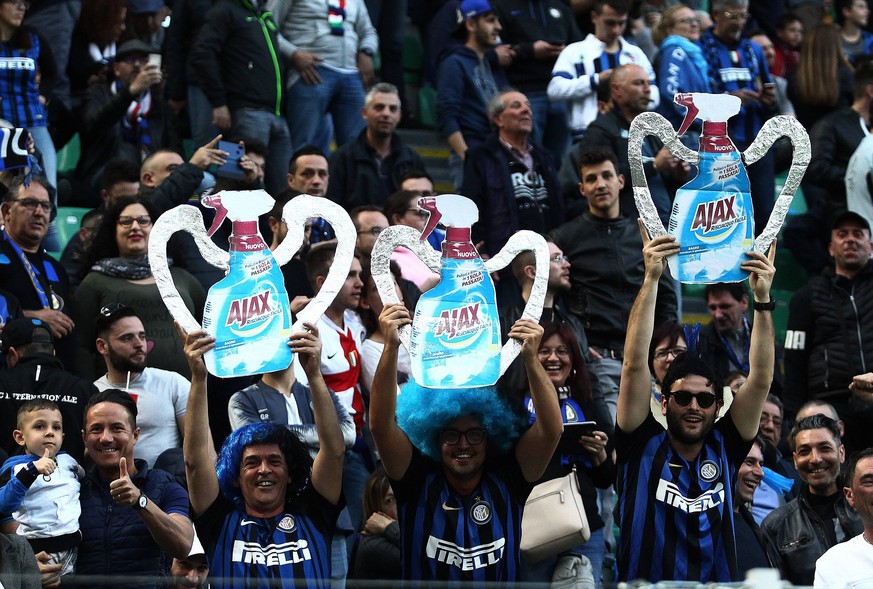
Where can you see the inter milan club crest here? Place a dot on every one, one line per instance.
(481, 512)
(287, 524)
(709, 471)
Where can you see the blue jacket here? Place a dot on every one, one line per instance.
(677, 73)
(465, 84)
(114, 538)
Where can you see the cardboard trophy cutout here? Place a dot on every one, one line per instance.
(248, 310)
(712, 216)
(454, 340)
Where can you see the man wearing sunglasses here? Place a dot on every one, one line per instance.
(693, 465)
(37, 280)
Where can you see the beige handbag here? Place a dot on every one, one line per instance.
(554, 519)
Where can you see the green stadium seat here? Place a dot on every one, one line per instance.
(69, 221)
(68, 157)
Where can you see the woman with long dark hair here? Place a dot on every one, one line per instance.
(118, 271)
(595, 467)
(822, 81)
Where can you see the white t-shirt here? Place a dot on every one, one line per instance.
(161, 396)
(371, 352)
(849, 564)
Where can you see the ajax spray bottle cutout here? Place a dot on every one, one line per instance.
(247, 311)
(456, 330)
(712, 216)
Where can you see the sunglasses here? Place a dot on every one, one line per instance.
(684, 398)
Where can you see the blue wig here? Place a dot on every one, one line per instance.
(228, 464)
(423, 412)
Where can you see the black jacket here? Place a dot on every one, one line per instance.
(828, 338)
(354, 172)
(798, 535)
(236, 57)
(101, 131)
(43, 375)
(188, 18)
(834, 139)
(606, 273)
(489, 183)
(527, 21)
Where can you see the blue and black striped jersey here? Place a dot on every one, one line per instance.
(247, 551)
(20, 103)
(676, 517)
(739, 67)
(449, 537)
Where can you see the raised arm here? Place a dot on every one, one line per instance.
(196, 445)
(327, 469)
(171, 529)
(636, 379)
(749, 400)
(391, 441)
(536, 446)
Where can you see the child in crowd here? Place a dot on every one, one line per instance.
(41, 485)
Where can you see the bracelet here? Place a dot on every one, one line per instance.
(765, 306)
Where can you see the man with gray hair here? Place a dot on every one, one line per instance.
(513, 181)
(368, 169)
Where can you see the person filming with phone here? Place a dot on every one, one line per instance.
(586, 443)
(126, 117)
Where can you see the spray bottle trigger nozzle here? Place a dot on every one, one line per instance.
(220, 215)
(686, 100)
(429, 204)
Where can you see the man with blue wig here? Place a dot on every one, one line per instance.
(265, 510)
(458, 467)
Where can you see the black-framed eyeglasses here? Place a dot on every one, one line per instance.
(688, 20)
(418, 212)
(684, 398)
(662, 354)
(374, 231)
(735, 15)
(559, 259)
(112, 308)
(142, 221)
(24, 3)
(31, 204)
(452, 436)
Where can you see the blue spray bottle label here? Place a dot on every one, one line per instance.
(712, 215)
(247, 311)
(456, 330)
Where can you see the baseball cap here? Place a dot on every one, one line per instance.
(20, 332)
(849, 217)
(474, 8)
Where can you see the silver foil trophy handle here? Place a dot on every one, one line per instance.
(380, 264)
(773, 129)
(189, 219)
(643, 125)
(295, 213)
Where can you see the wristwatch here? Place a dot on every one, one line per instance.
(765, 306)
(141, 502)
